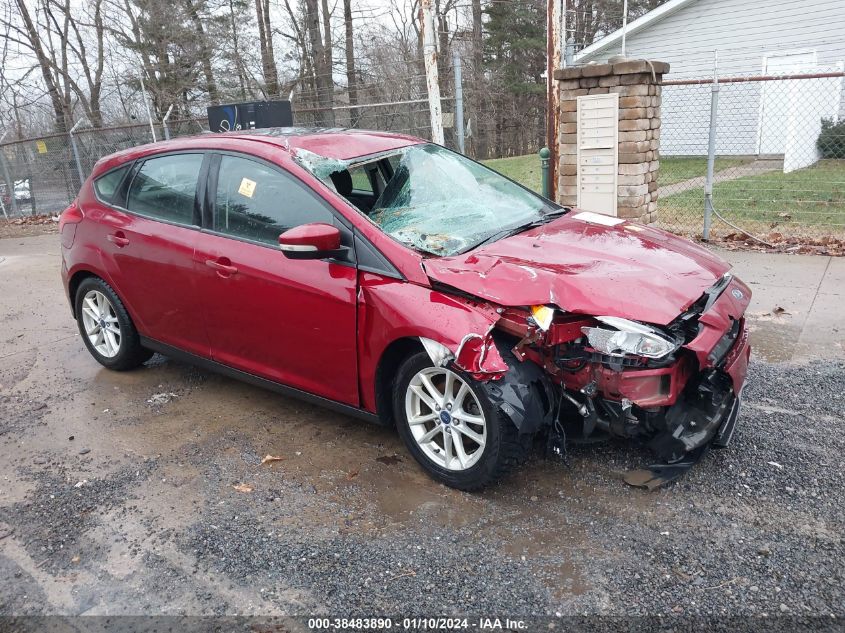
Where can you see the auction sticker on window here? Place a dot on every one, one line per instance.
(247, 187)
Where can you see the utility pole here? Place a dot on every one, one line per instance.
(555, 44)
(431, 78)
(459, 102)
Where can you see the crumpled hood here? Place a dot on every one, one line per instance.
(627, 270)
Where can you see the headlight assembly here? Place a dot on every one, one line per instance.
(629, 337)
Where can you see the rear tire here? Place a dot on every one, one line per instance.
(106, 327)
(490, 444)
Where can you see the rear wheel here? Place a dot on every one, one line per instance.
(106, 328)
(452, 428)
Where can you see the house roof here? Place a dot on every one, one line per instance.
(661, 12)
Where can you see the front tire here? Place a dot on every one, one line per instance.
(106, 328)
(451, 427)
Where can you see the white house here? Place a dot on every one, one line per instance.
(745, 38)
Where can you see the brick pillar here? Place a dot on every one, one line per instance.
(638, 83)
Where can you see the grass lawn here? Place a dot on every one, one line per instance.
(526, 169)
(807, 201)
(674, 169)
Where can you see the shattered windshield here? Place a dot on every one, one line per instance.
(435, 200)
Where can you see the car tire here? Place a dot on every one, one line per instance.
(503, 447)
(106, 327)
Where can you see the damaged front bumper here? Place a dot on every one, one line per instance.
(677, 405)
(544, 375)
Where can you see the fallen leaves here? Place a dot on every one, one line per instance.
(243, 487)
(35, 219)
(779, 243)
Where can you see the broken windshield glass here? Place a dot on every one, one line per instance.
(437, 201)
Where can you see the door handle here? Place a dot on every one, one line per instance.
(223, 269)
(118, 238)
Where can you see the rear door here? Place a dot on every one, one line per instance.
(290, 321)
(149, 236)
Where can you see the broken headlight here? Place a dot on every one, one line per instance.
(629, 337)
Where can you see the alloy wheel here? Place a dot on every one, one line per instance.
(445, 418)
(100, 322)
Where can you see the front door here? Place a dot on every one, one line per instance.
(291, 321)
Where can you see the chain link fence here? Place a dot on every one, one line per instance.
(762, 156)
(45, 173)
(41, 176)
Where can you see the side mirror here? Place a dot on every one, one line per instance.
(311, 241)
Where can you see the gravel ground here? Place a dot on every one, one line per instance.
(145, 493)
(754, 529)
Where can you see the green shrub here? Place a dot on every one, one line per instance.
(831, 141)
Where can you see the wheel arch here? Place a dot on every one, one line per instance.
(78, 276)
(73, 286)
(391, 358)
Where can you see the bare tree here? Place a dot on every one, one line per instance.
(268, 55)
(321, 58)
(26, 34)
(204, 49)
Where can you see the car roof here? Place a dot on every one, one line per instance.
(339, 143)
(336, 143)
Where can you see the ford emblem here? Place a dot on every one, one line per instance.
(736, 293)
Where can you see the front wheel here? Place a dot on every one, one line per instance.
(451, 427)
(106, 328)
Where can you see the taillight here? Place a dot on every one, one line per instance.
(72, 215)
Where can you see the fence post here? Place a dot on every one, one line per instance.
(76, 152)
(10, 183)
(459, 103)
(545, 154)
(167, 127)
(711, 155)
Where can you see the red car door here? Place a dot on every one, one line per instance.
(149, 249)
(290, 321)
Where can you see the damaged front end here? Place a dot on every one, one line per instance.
(675, 387)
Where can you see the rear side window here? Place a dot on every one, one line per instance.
(165, 188)
(259, 203)
(107, 184)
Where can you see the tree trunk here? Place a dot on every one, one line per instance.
(322, 75)
(265, 39)
(351, 79)
(59, 111)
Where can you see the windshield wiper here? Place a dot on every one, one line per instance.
(545, 219)
(514, 230)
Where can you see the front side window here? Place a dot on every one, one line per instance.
(165, 188)
(256, 202)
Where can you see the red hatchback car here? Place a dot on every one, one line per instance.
(414, 287)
